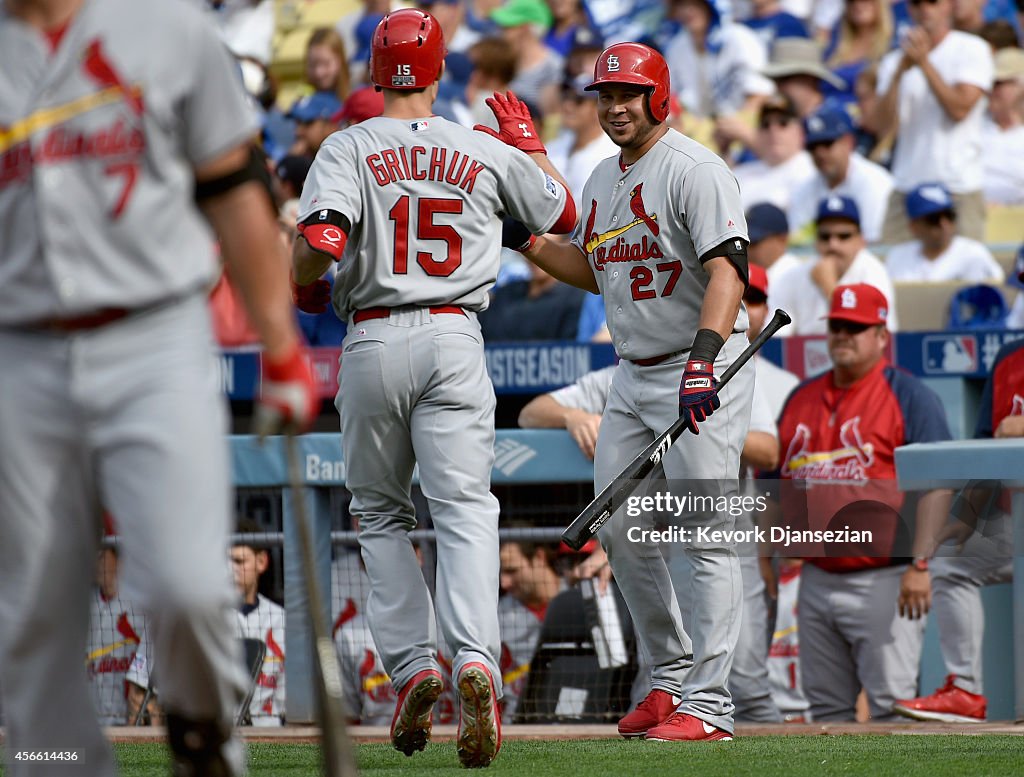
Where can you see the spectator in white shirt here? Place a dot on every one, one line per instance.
(932, 90)
(830, 140)
(1015, 320)
(714, 64)
(246, 27)
(582, 143)
(783, 166)
(937, 253)
(1002, 133)
(805, 291)
(768, 230)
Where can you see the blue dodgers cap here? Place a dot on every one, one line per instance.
(321, 105)
(929, 198)
(829, 123)
(836, 207)
(766, 220)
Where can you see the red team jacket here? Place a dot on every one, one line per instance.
(838, 466)
(1004, 390)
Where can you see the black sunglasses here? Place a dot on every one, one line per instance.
(820, 144)
(935, 219)
(849, 327)
(920, 2)
(842, 237)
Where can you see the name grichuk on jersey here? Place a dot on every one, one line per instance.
(838, 470)
(425, 199)
(644, 229)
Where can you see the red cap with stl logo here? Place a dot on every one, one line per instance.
(859, 303)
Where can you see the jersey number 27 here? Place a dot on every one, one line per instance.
(426, 229)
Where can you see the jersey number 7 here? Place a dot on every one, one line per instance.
(426, 229)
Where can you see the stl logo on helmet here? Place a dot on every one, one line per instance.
(403, 76)
(613, 63)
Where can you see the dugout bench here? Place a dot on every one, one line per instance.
(551, 456)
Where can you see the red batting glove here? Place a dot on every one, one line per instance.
(515, 125)
(698, 393)
(313, 298)
(288, 401)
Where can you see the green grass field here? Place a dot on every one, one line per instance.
(870, 756)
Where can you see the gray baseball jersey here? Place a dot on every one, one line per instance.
(96, 165)
(266, 621)
(100, 130)
(424, 197)
(369, 696)
(433, 192)
(644, 229)
(520, 633)
(115, 631)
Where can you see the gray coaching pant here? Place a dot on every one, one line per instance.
(128, 417)
(685, 601)
(851, 636)
(414, 389)
(986, 559)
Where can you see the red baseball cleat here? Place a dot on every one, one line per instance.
(948, 704)
(479, 723)
(410, 727)
(656, 708)
(686, 728)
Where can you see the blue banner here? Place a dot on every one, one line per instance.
(536, 368)
(520, 456)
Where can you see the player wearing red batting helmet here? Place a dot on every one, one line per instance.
(407, 51)
(409, 204)
(635, 63)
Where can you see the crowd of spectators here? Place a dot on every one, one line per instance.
(869, 100)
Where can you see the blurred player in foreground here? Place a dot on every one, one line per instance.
(115, 146)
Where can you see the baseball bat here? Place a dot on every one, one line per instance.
(594, 516)
(338, 753)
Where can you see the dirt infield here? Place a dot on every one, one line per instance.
(309, 734)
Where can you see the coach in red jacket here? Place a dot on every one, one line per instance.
(865, 586)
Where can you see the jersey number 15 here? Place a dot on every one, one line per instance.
(426, 229)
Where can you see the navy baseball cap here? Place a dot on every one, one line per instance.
(929, 198)
(827, 124)
(294, 170)
(836, 207)
(321, 105)
(766, 220)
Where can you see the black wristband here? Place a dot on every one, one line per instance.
(706, 345)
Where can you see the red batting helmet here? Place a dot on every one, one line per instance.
(407, 50)
(635, 63)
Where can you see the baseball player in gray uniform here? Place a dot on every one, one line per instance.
(663, 239)
(411, 206)
(110, 136)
